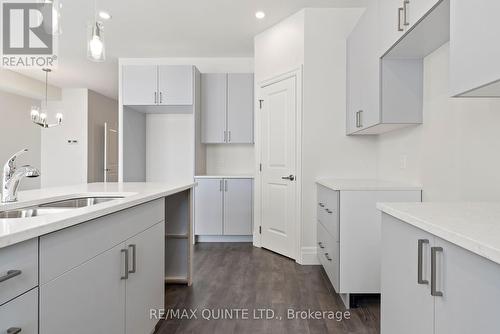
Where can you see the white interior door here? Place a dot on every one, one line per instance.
(278, 158)
(110, 153)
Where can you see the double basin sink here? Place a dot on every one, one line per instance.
(55, 207)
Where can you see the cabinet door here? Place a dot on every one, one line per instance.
(238, 206)
(213, 108)
(87, 299)
(406, 306)
(145, 287)
(139, 85)
(474, 48)
(208, 196)
(417, 9)
(471, 292)
(20, 313)
(354, 75)
(240, 108)
(391, 23)
(175, 85)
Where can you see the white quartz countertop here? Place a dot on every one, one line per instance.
(473, 226)
(365, 184)
(15, 230)
(236, 176)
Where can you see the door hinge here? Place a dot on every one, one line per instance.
(260, 167)
(260, 229)
(260, 103)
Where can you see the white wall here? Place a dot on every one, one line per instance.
(16, 83)
(18, 132)
(134, 146)
(230, 159)
(316, 38)
(65, 163)
(454, 155)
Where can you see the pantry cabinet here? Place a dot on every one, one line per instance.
(223, 206)
(155, 85)
(430, 285)
(227, 108)
(474, 50)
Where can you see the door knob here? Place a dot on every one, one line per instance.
(289, 177)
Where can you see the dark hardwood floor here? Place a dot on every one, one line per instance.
(240, 276)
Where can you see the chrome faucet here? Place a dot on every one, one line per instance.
(13, 175)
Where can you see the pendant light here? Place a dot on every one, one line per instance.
(55, 29)
(38, 116)
(96, 50)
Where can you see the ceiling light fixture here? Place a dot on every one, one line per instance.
(104, 15)
(38, 116)
(96, 50)
(260, 15)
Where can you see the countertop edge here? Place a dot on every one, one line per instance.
(328, 184)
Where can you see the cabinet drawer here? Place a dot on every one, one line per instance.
(18, 269)
(328, 210)
(21, 313)
(66, 249)
(328, 255)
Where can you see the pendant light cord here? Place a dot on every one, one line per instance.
(46, 87)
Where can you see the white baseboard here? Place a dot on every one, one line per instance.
(224, 238)
(308, 256)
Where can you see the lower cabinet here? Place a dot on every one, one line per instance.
(20, 315)
(223, 207)
(459, 294)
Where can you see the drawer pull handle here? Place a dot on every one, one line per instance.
(329, 211)
(321, 245)
(134, 260)
(125, 271)
(420, 261)
(322, 205)
(434, 291)
(327, 257)
(10, 274)
(13, 330)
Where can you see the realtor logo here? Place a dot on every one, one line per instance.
(27, 35)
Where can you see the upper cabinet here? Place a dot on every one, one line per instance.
(474, 48)
(152, 85)
(227, 108)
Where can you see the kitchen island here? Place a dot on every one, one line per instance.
(92, 257)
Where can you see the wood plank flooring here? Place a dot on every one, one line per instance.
(240, 276)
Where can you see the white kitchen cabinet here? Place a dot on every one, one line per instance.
(213, 107)
(145, 288)
(460, 294)
(139, 85)
(208, 206)
(223, 206)
(20, 315)
(474, 51)
(350, 248)
(382, 94)
(407, 306)
(238, 206)
(227, 108)
(175, 85)
(150, 85)
(391, 23)
(87, 299)
(240, 97)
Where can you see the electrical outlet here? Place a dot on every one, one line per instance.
(403, 161)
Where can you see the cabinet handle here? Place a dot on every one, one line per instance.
(161, 97)
(229, 136)
(321, 204)
(329, 211)
(360, 119)
(327, 257)
(357, 119)
(10, 274)
(225, 185)
(420, 261)
(225, 136)
(320, 244)
(434, 291)
(13, 330)
(133, 248)
(400, 11)
(125, 276)
(156, 98)
(220, 185)
(405, 12)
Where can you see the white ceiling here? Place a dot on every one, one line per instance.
(164, 28)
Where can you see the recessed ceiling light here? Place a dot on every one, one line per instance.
(104, 15)
(260, 15)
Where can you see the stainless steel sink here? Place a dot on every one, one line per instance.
(78, 202)
(55, 207)
(29, 212)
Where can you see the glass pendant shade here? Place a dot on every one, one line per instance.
(96, 50)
